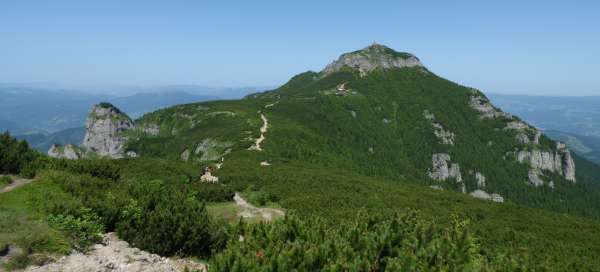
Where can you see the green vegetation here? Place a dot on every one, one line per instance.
(15, 156)
(83, 230)
(5, 180)
(23, 214)
(368, 243)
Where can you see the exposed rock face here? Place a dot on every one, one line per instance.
(516, 125)
(481, 104)
(522, 138)
(65, 152)
(568, 164)
(151, 129)
(560, 162)
(480, 178)
(116, 255)
(534, 177)
(444, 170)
(444, 136)
(185, 155)
(485, 196)
(212, 150)
(373, 57)
(104, 130)
(539, 160)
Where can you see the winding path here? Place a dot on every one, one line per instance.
(263, 130)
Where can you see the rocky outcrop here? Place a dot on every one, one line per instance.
(105, 127)
(568, 166)
(560, 161)
(371, 58)
(66, 152)
(212, 149)
(443, 135)
(443, 169)
(534, 177)
(525, 133)
(516, 125)
(114, 254)
(480, 178)
(481, 104)
(486, 196)
(185, 155)
(151, 129)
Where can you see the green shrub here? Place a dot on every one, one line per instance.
(83, 230)
(214, 192)
(15, 155)
(367, 243)
(5, 181)
(259, 197)
(167, 221)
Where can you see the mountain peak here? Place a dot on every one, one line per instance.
(373, 57)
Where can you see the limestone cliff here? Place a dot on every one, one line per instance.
(66, 152)
(443, 169)
(105, 127)
(560, 161)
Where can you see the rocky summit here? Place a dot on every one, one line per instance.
(373, 57)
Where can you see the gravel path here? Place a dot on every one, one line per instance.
(263, 130)
(16, 183)
(114, 254)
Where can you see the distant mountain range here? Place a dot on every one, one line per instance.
(43, 142)
(572, 120)
(36, 110)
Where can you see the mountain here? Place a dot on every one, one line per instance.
(380, 113)
(374, 131)
(374, 112)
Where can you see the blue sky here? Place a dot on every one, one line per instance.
(522, 47)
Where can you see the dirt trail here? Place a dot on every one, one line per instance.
(16, 183)
(251, 211)
(263, 130)
(114, 254)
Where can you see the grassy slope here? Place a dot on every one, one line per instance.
(22, 222)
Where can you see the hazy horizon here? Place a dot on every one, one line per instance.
(533, 48)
